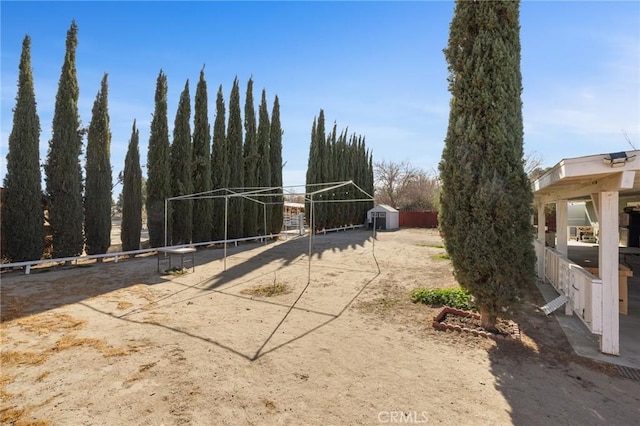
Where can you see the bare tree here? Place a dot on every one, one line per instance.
(404, 186)
(532, 162)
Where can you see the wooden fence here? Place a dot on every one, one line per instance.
(418, 219)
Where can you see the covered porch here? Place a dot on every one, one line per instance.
(601, 280)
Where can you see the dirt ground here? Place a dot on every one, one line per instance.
(340, 343)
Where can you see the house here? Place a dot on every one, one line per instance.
(609, 184)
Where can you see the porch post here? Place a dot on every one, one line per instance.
(541, 240)
(562, 221)
(608, 265)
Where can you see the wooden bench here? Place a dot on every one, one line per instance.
(163, 252)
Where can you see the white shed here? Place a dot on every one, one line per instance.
(386, 217)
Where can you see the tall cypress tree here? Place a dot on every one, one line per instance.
(158, 168)
(22, 217)
(62, 169)
(235, 160)
(181, 172)
(203, 208)
(250, 163)
(264, 163)
(132, 195)
(275, 155)
(318, 172)
(486, 197)
(97, 200)
(312, 166)
(219, 167)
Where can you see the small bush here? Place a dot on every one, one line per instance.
(442, 256)
(453, 297)
(440, 246)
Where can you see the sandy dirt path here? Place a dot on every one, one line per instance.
(117, 344)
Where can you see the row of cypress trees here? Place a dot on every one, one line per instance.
(80, 222)
(74, 221)
(188, 166)
(333, 158)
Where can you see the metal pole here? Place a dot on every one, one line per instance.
(310, 237)
(375, 216)
(264, 216)
(165, 221)
(226, 206)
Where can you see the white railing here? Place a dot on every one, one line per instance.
(116, 255)
(582, 290)
(340, 228)
(588, 299)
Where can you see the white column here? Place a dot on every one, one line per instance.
(562, 221)
(608, 265)
(541, 240)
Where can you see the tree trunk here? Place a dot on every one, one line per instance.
(488, 320)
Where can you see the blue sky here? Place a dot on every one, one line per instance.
(374, 67)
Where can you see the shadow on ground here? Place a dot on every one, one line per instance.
(53, 287)
(576, 390)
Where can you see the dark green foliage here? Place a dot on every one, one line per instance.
(338, 158)
(235, 161)
(132, 195)
(219, 167)
(264, 165)
(316, 171)
(22, 217)
(158, 169)
(452, 297)
(62, 169)
(203, 208)
(181, 172)
(97, 200)
(275, 155)
(486, 197)
(250, 154)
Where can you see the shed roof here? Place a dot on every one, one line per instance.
(383, 207)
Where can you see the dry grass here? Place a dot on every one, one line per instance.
(124, 304)
(42, 376)
(4, 382)
(8, 358)
(43, 324)
(269, 404)
(21, 416)
(268, 290)
(71, 341)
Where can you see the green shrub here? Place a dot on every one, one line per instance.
(442, 256)
(453, 297)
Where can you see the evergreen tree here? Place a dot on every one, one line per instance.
(235, 161)
(486, 197)
(62, 169)
(22, 217)
(203, 208)
(311, 170)
(132, 195)
(181, 173)
(158, 168)
(275, 155)
(97, 200)
(317, 172)
(250, 163)
(264, 164)
(219, 167)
